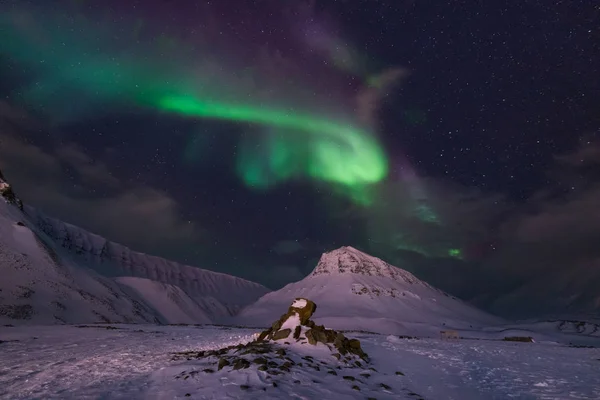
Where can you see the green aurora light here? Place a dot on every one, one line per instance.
(299, 143)
(305, 145)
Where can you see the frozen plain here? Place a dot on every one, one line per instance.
(136, 362)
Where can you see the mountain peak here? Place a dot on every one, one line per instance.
(348, 260)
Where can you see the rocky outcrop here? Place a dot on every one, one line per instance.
(6, 191)
(293, 351)
(305, 331)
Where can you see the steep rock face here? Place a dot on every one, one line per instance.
(219, 294)
(357, 291)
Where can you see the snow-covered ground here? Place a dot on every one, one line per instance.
(136, 362)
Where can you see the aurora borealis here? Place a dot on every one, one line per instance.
(223, 132)
(300, 143)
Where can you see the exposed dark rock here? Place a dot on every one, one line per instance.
(240, 363)
(399, 373)
(355, 387)
(282, 334)
(223, 362)
(260, 360)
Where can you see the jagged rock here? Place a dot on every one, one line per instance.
(302, 309)
(282, 334)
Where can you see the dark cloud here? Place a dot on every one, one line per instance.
(549, 254)
(68, 184)
(519, 259)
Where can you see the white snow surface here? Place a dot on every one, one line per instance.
(353, 290)
(172, 303)
(134, 362)
(299, 303)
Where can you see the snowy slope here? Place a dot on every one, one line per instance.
(218, 294)
(172, 303)
(39, 286)
(354, 290)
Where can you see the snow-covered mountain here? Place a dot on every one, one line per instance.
(217, 294)
(39, 286)
(354, 290)
(53, 272)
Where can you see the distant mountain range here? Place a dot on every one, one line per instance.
(54, 272)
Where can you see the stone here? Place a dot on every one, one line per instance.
(349, 378)
(310, 337)
(263, 335)
(303, 312)
(222, 363)
(384, 386)
(282, 334)
(399, 373)
(260, 360)
(244, 387)
(355, 387)
(263, 368)
(297, 332)
(240, 363)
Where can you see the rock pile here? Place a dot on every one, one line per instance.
(297, 319)
(292, 354)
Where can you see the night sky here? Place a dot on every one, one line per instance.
(459, 140)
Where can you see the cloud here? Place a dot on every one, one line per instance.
(520, 259)
(549, 256)
(88, 170)
(142, 217)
